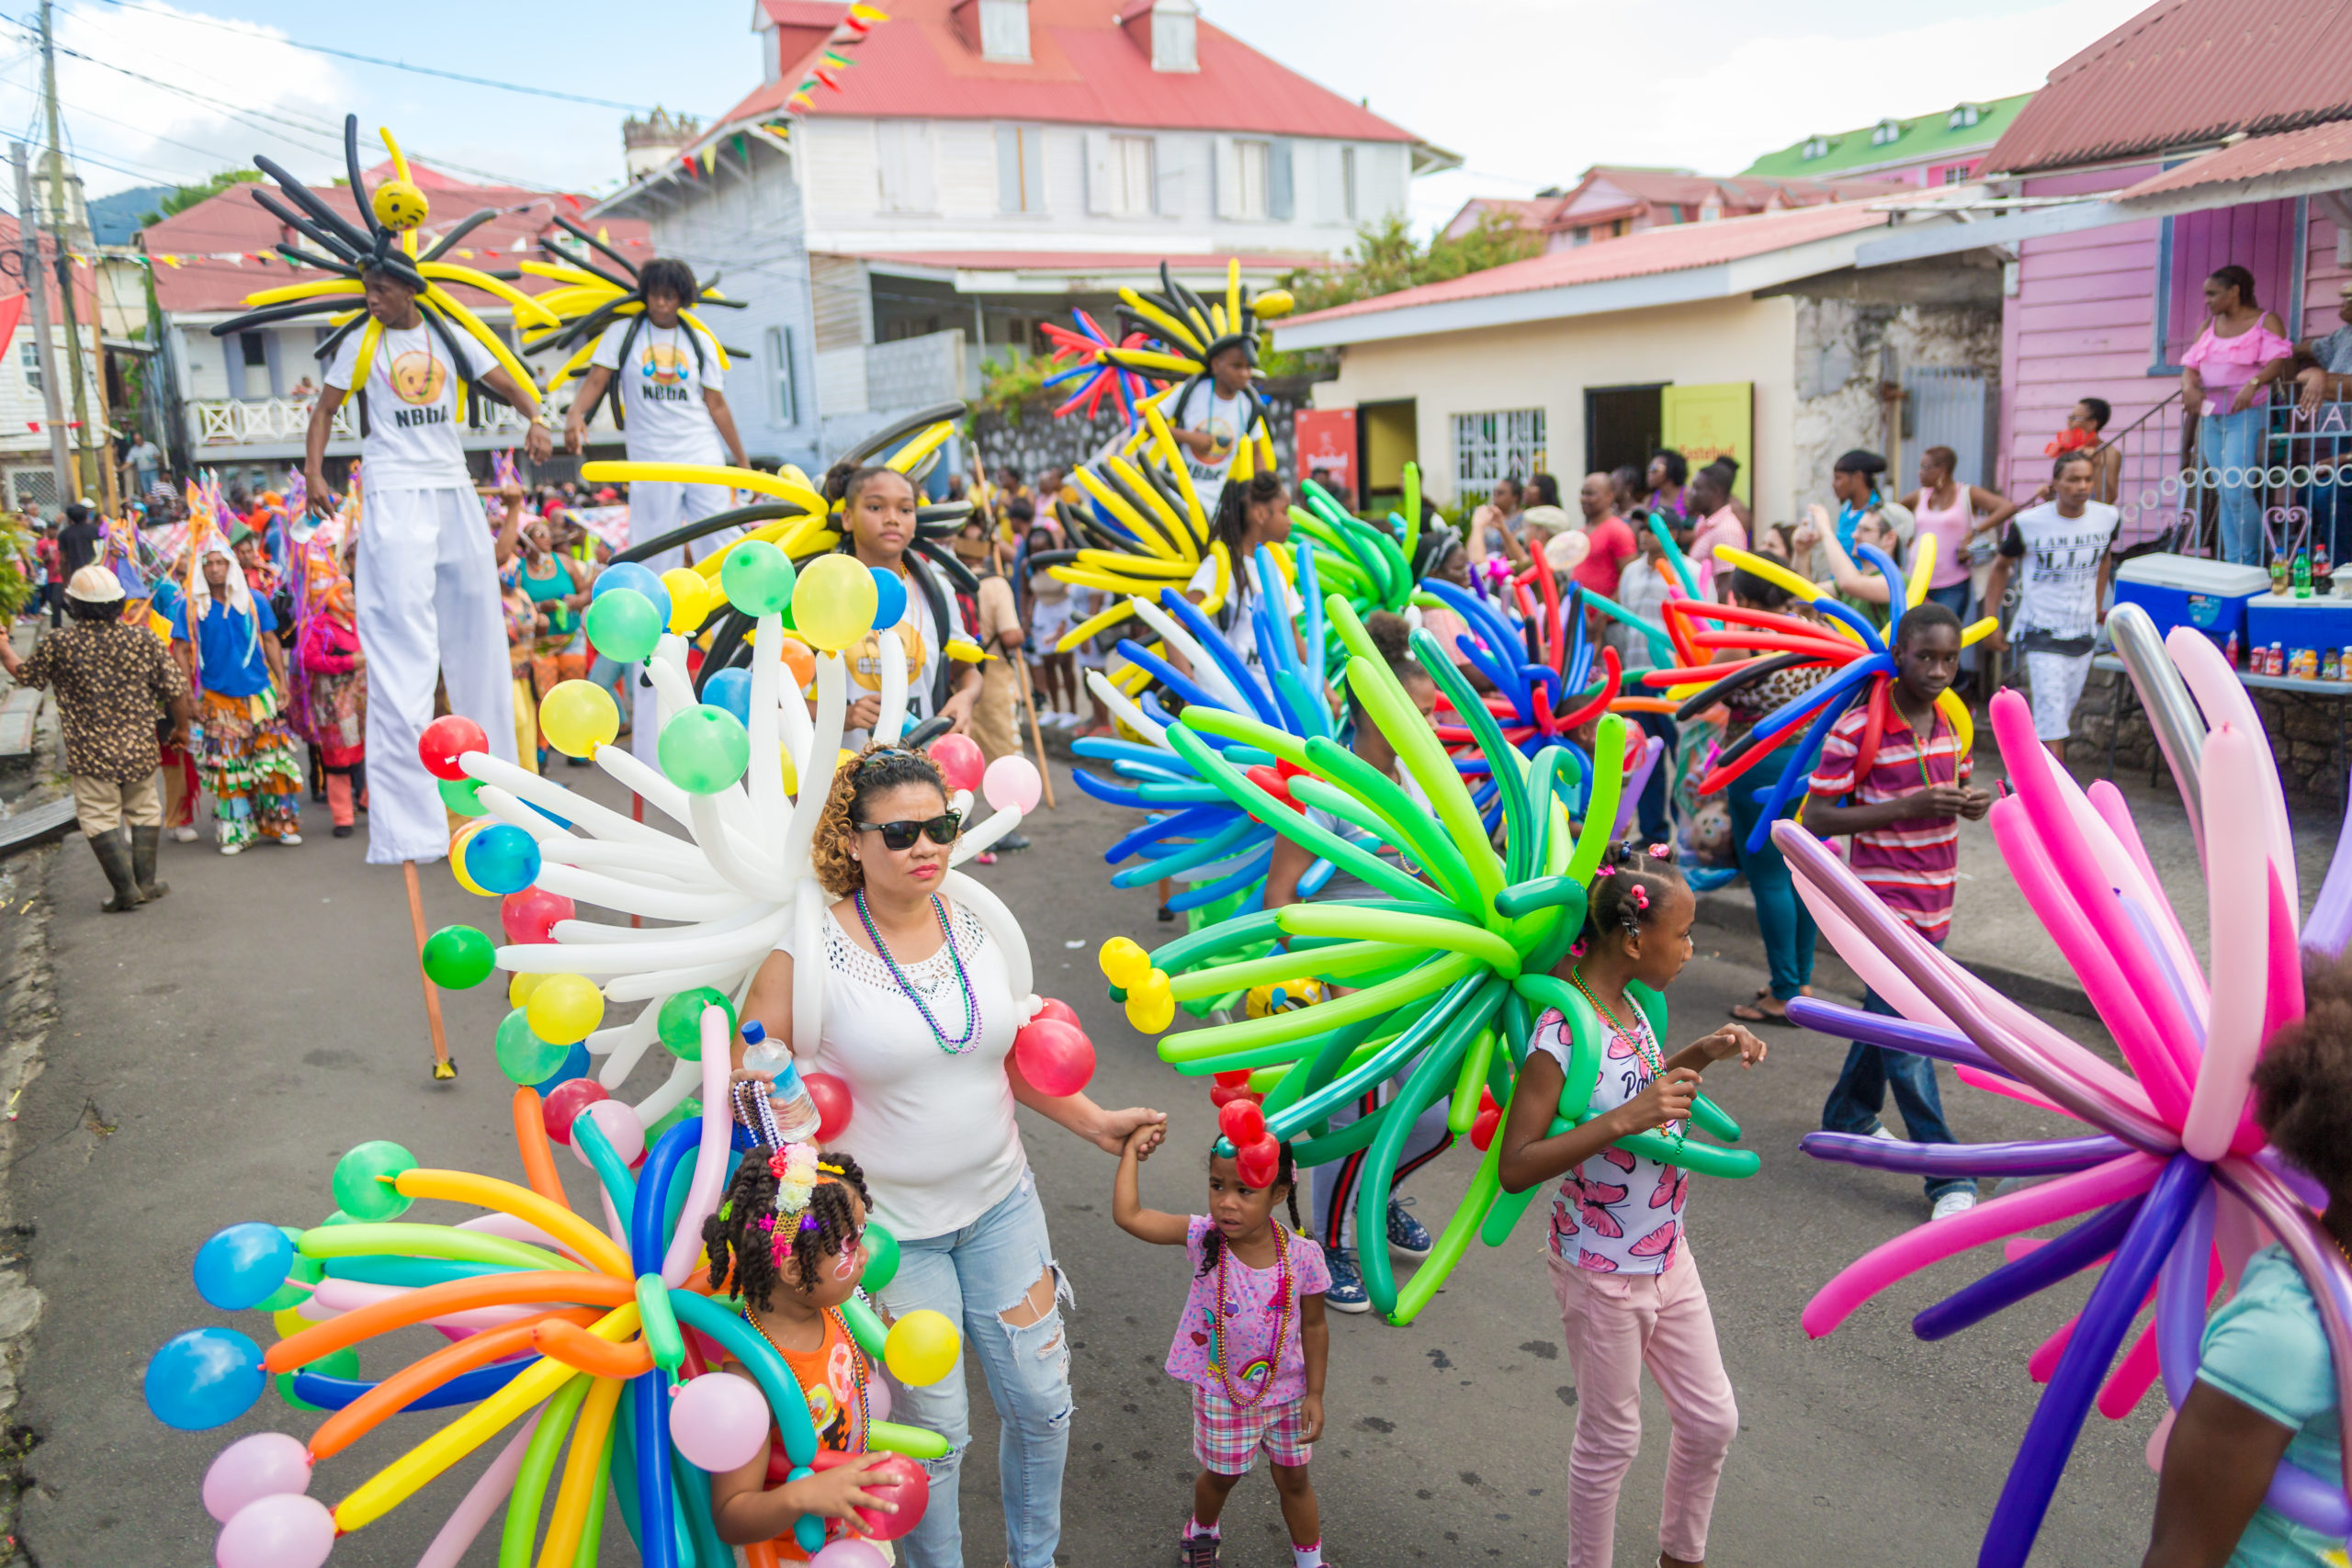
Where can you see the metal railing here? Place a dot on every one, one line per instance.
(229, 422)
(2171, 494)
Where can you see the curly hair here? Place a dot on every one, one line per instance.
(846, 479)
(2303, 1083)
(817, 1232)
(668, 275)
(1392, 635)
(877, 769)
(1627, 890)
(1285, 1177)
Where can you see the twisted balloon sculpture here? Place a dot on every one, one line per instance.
(596, 290)
(2173, 1173)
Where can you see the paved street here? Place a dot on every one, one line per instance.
(214, 1054)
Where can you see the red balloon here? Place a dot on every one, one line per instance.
(831, 1096)
(564, 1103)
(1241, 1121)
(1056, 1057)
(1058, 1010)
(1482, 1131)
(960, 762)
(1222, 1095)
(1274, 784)
(900, 1479)
(529, 915)
(1259, 1163)
(445, 740)
(1238, 1078)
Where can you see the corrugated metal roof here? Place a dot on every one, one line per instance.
(2187, 72)
(2256, 158)
(1921, 137)
(1096, 261)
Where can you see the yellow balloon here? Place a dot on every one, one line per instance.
(565, 1008)
(457, 842)
(1124, 964)
(921, 1348)
(519, 989)
(791, 773)
(689, 599)
(832, 606)
(1150, 1015)
(289, 1321)
(577, 716)
(399, 205)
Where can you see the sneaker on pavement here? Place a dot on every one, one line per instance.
(1884, 1135)
(289, 838)
(1407, 1237)
(232, 848)
(1347, 1292)
(1197, 1551)
(183, 835)
(1012, 843)
(1954, 1204)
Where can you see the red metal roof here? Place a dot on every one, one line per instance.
(192, 248)
(1098, 261)
(2256, 157)
(1083, 69)
(1678, 247)
(2186, 72)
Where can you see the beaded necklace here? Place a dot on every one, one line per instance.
(1645, 1048)
(1271, 1359)
(860, 1420)
(971, 1035)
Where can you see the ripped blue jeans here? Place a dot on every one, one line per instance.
(974, 1276)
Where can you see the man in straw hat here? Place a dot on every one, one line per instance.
(109, 678)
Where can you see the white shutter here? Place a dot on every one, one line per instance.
(1033, 166)
(1168, 156)
(1008, 168)
(1226, 177)
(1101, 178)
(1278, 180)
(922, 191)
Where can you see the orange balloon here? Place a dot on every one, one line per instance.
(360, 1416)
(800, 660)
(531, 1143)
(530, 1287)
(583, 1351)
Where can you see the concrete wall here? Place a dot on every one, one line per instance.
(1843, 352)
(1548, 365)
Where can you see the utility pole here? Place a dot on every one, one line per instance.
(57, 227)
(29, 237)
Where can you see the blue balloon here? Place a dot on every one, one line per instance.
(630, 574)
(205, 1378)
(731, 690)
(890, 598)
(503, 859)
(575, 1066)
(244, 1266)
(559, 821)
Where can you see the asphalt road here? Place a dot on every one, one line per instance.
(215, 1054)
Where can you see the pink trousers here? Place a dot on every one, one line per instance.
(1616, 1325)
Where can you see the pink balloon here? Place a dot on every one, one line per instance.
(960, 762)
(900, 1479)
(621, 1129)
(287, 1531)
(1056, 1057)
(2237, 879)
(529, 915)
(263, 1465)
(719, 1421)
(849, 1554)
(1011, 784)
(878, 1400)
(830, 1093)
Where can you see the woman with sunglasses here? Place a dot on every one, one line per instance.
(920, 1016)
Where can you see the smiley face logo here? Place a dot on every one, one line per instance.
(665, 363)
(417, 376)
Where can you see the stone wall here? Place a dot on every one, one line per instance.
(2302, 733)
(1036, 440)
(1846, 351)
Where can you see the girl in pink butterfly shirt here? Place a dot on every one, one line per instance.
(1629, 1289)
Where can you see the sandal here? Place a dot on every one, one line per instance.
(1751, 1012)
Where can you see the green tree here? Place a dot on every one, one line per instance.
(1386, 258)
(185, 196)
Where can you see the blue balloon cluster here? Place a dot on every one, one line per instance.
(630, 574)
(503, 859)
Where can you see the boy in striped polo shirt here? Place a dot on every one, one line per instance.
(1904, 816)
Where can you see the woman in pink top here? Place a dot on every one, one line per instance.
(2224, 379)
(1946, 511)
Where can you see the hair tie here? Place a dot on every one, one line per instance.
(1578, 948)
(1606, 871)
(1661, 851)
(1640, 896)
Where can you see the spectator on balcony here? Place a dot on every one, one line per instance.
(303, 391)
(2323, 374)
(146, 466)
(2225, 382)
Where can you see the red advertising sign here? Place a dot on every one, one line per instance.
(1327, 448)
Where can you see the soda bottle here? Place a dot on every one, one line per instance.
(2302, 570)
(795, 1113)
(2230, 650)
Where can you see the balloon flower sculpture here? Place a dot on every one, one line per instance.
(1453, 971)
(2172, 1174)
(1096, 378)
(1186, 333)
(601, 1334)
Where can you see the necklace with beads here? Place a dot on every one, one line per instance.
(957, 1045)
(1271, 1359)
(860, 1420)
(1645, 1049)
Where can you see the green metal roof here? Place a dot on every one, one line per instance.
(1924, 136)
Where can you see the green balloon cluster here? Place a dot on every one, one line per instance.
(757, 578)
(624, 624)
(1450, 975)
(702, 749)
(360, 1192)
(458, 958)
(523, 1056)
(462, 796)
(678, 1023)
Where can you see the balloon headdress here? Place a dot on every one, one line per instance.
(2173, 1177)
(1183, 334)
(383, 239)
(593, 292)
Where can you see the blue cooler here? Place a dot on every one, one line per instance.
(2317, 623)
(2188, 591)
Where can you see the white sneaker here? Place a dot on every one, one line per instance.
(183, 835)
(232, 848)
(1952, 1204)
(290, 837)
(1884, 1135)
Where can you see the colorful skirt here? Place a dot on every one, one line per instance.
(339, 717)
(250, 768)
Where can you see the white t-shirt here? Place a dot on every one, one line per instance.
(919, 631)
(933, 1130)
(662, 393)
(2058, 584)
(1236, 618)
(1617, 1213)
(411, 440)
(1223, 418)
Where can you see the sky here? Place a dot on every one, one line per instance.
(1529, 92)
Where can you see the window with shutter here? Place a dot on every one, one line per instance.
(1019, 168)
(1348, 182)
(1249, 161)
(1131, 176)
(1004, 29)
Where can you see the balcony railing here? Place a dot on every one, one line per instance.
(2170, 491)
(230, 422)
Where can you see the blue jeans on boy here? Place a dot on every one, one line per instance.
(974, 1276)
(1786, 924)
(1860, 1093)
(2226, 441)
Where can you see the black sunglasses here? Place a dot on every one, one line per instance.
(940, 829)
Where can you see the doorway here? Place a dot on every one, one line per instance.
(1621, 426)
(1391, 437)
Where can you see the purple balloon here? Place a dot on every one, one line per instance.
(1892, 1033)
(2036, 1270)
(2309, 1500)
(2319, 1262)
(2329, 924)
(2051, 1158)
(2180, 1302)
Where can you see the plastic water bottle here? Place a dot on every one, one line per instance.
(795, 1113)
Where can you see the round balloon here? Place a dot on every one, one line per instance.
(1061, 1012)
(719, 1421)
(1012, 783)
(850, 1551)
(921, 1348)
(800, 661)
(565, 1007)
(1125, 964)
(285, 1530)
(564, 1105)
(267, 1465)
(523, 1056)
(445, 740)
(357, 1191)
(462, 795)
(457, 843)
(620, 1126)
(519, 988)
(690, 599)
(678, 1023)
(889, 598)
(703, 751)
(577, 716)
(881, 1259)
(834, 605)
(829, 1094)
(960, 761)
(529, 915)
(637, 578)
(242, 1266)
(459, 958)
(624, 624)
(205, 1378)
(342, 1363)
(757, 578)
(503, 859)
(1056, 1057)
(573, 1066)
(731, 689)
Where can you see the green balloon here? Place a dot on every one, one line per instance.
(757, 578)
(458, 958)
(690, 1106)
(881, 1259)
(342, 1363)
(702, 749)
(523, 1056)
(462, 796)
(680, 1023)
(359, 1194)
(303, 1272)
(624, 624)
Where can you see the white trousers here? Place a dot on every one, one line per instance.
(653, 511)
(428, 606)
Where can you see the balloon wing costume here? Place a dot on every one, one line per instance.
(592, 293)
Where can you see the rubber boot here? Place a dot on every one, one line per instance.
(143, 844)
(113, 850)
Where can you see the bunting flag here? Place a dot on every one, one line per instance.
(709, 160)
